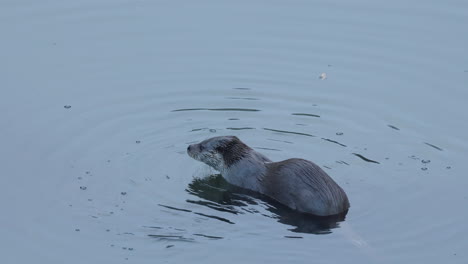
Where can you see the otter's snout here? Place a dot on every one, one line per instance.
(191, 150)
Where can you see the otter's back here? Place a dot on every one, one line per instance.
(304, 186)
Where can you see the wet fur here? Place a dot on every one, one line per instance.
(296, 183)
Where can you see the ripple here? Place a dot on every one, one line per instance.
(334, 141)
(304, 114)
(289, 132)
(434, 146)
(217, 109)
(365, 159)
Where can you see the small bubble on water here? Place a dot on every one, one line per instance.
(90, 200)
(107, 230)
(425, 161)
(131, 249)
(212, 130)
(88, 172)
(123, 193)
(112, 245)
(323, 76)
(424, 168)
(67, 106)
(448, 167)
(138, 141)
(83, 188)
(77, 230)
(339, 133)
(79, 178)
(124, 248)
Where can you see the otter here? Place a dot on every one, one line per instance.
(297, 183)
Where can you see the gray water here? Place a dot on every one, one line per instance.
(100, 99)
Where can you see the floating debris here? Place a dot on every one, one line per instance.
(123, 193)
(323, 76)
(424, 168)
(77, 230)
(169, 246)
(448, 167)
(67, 106)
(138, 141)
(83, 188)
(425, 161)
(339, 133)
(212, 130)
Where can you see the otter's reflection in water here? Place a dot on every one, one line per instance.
(218, 194)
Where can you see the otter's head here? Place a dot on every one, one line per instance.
(219, 152)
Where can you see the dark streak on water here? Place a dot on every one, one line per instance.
(217, 109)
(172, 238)
(243, 98)
(198, 129)
(214, 206)
(342, 162)
(333, 141)
(239, 128)
(434, 146)
(173, 208)
(304, 114)
(365, 159)
(215, 217)
(288, 142)
(394, 127)
(207, 236)
(289, 132)
(267, 148)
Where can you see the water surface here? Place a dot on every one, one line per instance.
(100, 99)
